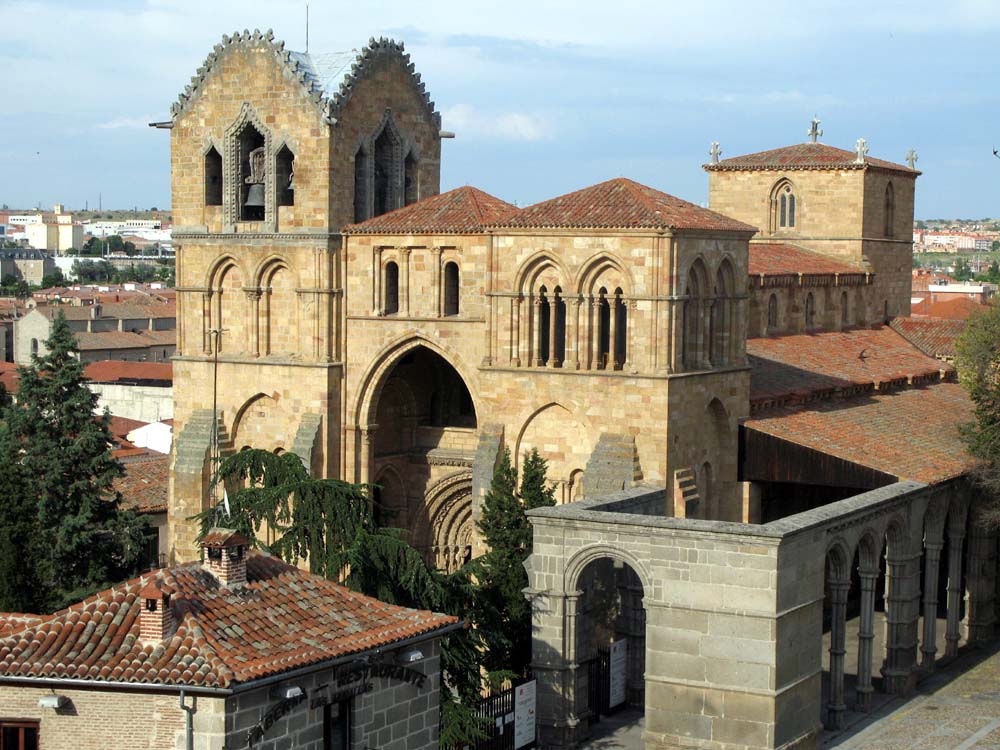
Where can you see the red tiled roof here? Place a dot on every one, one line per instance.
(12, 622)
(463, 210)
(959, 308)
(797, 368)
(116, 310)
(113, 371)
(283, 619)
(805, 156)
(935, 337)
(779, 259)
(8, 376)
(144, 486)
(620, 204)
(124, 339)
(910, 434)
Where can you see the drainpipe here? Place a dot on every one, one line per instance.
(188, 722)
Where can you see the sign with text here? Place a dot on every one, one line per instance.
(524, 715)
(617, 669)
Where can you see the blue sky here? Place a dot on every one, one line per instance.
(546, 97)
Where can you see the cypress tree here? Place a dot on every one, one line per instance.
(58, 455)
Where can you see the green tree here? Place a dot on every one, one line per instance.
(962, 271)
(22, 290)
(56, 452)
(502, 612)
(52, 279)
(332, 523)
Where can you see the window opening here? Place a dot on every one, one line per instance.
(213, 178)
(544, 313)
(253, 173)
(621, 329)
(603, 328)
(844, 313)
(19, 735)
(890, 209)
(410, 180)
(810, 310)
(772, 313)
(391, 287)
(285, 168)
(451, 288)
(559, 345)
(384, 148)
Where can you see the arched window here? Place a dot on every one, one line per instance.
(694, 308)
(621, 330)
(34, 347)
(810, 311)
(285, 173)
(720, 312)
(213, 178)
(252, 174)
(390, 289)
(360, 185)
(411, 186)
(772, 314)
(845, 316)
(451, 288)
(890, 210)
(384, 173)
(783, 206)
(559, 310)
(603, 329)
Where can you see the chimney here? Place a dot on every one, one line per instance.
(156, 619)
(225, 557)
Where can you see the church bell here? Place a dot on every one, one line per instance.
(255, 196)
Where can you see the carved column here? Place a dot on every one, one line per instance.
(928, 647)
(438, 290)
(838, 603)
(573, 334)
(206, 322)
(595, 333)
(613, 362)
(367, 452)
(553, 319)
(866, 637)
(956, 537)
(980, 581)
(515, 331)
(901, 614)
(404, 293)
(536, 315)
(587, 334)
(253, 302)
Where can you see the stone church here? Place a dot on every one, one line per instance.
(736, 437)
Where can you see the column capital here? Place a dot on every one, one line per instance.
(405, 251)
(436, 249)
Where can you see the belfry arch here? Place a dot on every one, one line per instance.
(418, 425)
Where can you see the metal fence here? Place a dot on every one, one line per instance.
(599, 684)
(497, 712)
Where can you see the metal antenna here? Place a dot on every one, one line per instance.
(307, 28)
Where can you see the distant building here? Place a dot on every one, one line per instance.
(26, 263)
(58, 236)
(145, 333)
(24, 220)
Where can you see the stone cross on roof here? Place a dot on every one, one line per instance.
(862, 148)
(715, 152)
(814, 132)
(911, 158)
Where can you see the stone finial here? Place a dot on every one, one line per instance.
(814, 132)
(911, 158)
(862, 149)
(715, 152)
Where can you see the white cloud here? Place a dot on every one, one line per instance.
(509, 126)
(127, 122)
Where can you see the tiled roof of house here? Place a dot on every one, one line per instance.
(8, 376)
(11, 622)
(144, 486)
(805, 156)
(935, 337)
(115, 371)
(781, 259)
(460, 211)
(282, 619)
(798, 368)
(910, 434)
(959, 308)
(123, 339)
(116, 310)
(619, 204)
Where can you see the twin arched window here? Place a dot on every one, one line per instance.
(709, 317)
(784, 206)
(386, 174)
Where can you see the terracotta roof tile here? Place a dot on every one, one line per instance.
(793, 369)
(144, 486)
(12, 622)
(124, 339)
(116, 371)
(910, 434)
(619, 204)
(8, 376)
(283, 619)
(462, 211)
(959, 308)
(804, 156)
(116, 310)
(780, 259)
(935, 337)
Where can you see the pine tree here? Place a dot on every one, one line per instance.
(535, 492)
(61, 468)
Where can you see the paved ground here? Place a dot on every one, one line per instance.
(958, 708)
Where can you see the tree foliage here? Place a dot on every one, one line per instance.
(331, 524)
(58, 472)
(978, 361)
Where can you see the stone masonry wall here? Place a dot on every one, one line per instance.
(115, 720)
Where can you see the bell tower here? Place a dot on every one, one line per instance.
(272, 152)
